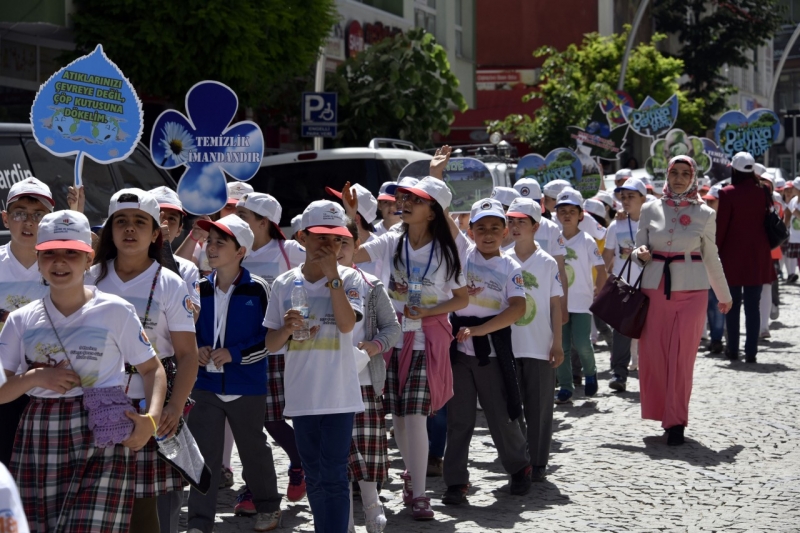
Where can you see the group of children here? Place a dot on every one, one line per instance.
(413, 316)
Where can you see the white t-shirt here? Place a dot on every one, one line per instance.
(794, 223)
(12, 515)
(549, 238)
(582, 256)
(320, 376)
(588, 225)
(295, 251)
(221, 301)
(169, 311)
(191, 276)
(100, 337)
(621, 238)
(532, 335)
(436, 288)
(490, 283)
(268, 261)
(380, 229)
(376, 266)
(19, 286)
(362, 357)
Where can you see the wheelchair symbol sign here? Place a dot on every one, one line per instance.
(319, 115)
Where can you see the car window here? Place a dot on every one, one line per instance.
(393, 168)
(138, 171)
(58, 174)
(13, 166)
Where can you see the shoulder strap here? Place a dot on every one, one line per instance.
(52, 325)
(285, 256)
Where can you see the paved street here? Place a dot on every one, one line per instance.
(612, 471)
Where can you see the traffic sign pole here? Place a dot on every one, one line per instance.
(319, 86)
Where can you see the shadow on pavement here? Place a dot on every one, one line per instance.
(779, 325)
(757, 368)
(693, 452)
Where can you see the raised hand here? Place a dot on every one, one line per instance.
(439, 161)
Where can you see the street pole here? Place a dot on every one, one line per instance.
(637, 20)
(775, 78)
(319, 86)
(794, 144)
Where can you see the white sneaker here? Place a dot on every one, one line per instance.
(267, 521)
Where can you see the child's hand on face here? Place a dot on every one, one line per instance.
(328, 262)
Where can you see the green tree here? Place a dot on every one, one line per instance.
(715, 36)
(257, 47)
(574, 80)
(401, 87)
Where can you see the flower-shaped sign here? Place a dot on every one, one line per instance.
(753, 133)
(603, 141)
(652, 119)
(560, 164)
(468, 179)
(208, 146)
(88, 108)
(676, 142)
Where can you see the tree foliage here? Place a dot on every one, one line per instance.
(573, 81)
(715, 35)
(164, 48)
(401, 87)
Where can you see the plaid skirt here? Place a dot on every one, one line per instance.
(415, 398)
(792, 250)
(67, 484)
(368, 450)
(276, 401)
(154, 476)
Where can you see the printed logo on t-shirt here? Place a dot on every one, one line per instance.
(561, 241)
(558, 278)
(529, 282)
(571, 255)
(353, 294)
(188, 305)
(485, 286)
(143, 337)
(597, 252)
(518, 281)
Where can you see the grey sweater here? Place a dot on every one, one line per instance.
(380, 324)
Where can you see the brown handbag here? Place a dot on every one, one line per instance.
(621, 305)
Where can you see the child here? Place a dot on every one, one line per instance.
(232, 380)
(536, 336)
(482, 357)
(378, 330)
(620, 241)
(582, 256)
(419, 377)
(75, 342)
(128, 265)
(27, 203)
(322, 387)
(269, 260)
(387, 206)
(365, 216)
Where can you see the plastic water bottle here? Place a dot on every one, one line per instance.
(300, 303)
(414, 299)
(169, 446)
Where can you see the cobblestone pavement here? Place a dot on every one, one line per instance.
(612, 471)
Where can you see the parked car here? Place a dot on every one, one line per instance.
(21, 156)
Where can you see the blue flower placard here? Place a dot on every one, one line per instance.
(652, 119)
(208, 145)
(560, 164)
(754, 133)
(88, 108)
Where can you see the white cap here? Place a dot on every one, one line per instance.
(31, 187)
(431, 188)
(408, 181)
(607, 198)
(383, 194)
(633, 184)
(761, 172)
(780, 183)
(488, 207)
(237, 189)
(595, 207)
(367, 204)
(324, 216)
(522, 207)
(623, 173)
(145, 202)
(505, 195)
(528, 188)
(167, 198)
(796, 183)
(233, 226)
(714, 191)
(554, 188)
(264, 205)
(297, 223)
(743, 162)
(569, 196)
(64, 230)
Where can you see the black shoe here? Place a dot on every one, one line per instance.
(750, 359)
(455, 495)
(675, 436)
(791, 279)
(715, 347)
(617, 383)
(538, 474)
(521, 481)
(733, 356)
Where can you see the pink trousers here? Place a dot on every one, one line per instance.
(667, 351)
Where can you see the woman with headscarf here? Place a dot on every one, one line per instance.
(676, 240)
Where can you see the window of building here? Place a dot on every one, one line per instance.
(395, 7)
(459, 44)
(425, 15)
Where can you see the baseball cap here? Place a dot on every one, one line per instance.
(569, 196)
(367, 204)
(760, 170)
(297, 222)
(595, 207)
(796, 183)
(780, 183)
(488, 207)
(324, 217)
(264, 205)
(31, 187)
(408, 181)
(237, 189)
(64, 230)
(607, 198)
(633, 184)
(145, 202)
(743, 162)
(713, 193)
(167, 198)
(505, 195)
(431, 188)
(528, 188)
(623, 174)
(525, 207)
(554, 188)
(383, 195)
(233, 226)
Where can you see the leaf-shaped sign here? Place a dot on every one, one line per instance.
(676, 142)
(208, 146)
(603, 140)
(562, 164)
(652, 119)
(754, 133)
(88, 108)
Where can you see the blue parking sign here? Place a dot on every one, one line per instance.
(319, 115)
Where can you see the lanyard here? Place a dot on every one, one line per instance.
(630, 228)
(220, 312)
(408, 260)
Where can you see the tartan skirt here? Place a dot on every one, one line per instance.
(368, 450)
(154, 476)
(792, 250)
(415, 398)
(66, 483)
(276, 401)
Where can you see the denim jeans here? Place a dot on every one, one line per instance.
(716, 320)
(324, 445)
(437, 433)
(751, 296)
